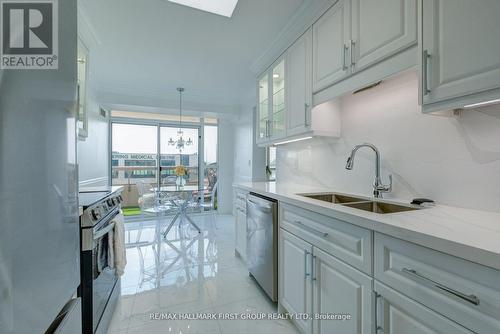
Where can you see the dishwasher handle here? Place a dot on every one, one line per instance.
(260, 204)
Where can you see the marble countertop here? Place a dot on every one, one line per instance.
(470, 234)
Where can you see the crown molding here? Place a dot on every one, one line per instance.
(306, 15)
(86, 30)
(160, 104)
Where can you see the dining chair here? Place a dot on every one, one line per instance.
(210, 206)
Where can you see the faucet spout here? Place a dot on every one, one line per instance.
(378, 187)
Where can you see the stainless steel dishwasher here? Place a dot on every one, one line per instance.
(262, 242)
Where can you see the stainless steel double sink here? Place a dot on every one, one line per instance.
(361, 203)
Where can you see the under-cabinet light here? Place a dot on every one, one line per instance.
(292, 140)
(480, 104)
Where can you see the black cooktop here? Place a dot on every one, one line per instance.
(87, 199)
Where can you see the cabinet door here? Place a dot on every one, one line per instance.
(279, 105)
(241, 232)
(263, 109)
(331, 34)
(295, 288)
(460, 41)
(341, 289)
(381, 29)
(299, 87)
(396, 313)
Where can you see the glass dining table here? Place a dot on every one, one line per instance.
(181, 199)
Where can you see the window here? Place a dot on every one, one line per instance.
(210, 149)
(271, 163)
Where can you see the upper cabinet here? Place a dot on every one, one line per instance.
(263, 110)
(331, 35)
(299, 69)
(279, 91)
(460, 49)
(285, 99)
(373, 38)
(351, 36)
(271, 110)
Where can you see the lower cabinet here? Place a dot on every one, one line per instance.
(314, 283)
(241, 232)
(340, 289)
(295, 288)
(396, 313)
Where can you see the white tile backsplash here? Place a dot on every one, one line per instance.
(453, 160)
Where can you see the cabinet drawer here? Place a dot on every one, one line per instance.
(345, 241)
(240, 198)
(465, 292)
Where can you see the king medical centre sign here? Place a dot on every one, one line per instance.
(29, 34)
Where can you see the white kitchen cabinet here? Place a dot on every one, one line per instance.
(462, 291)
(396, 313)
(331, 35)
(272, 103)
(460, 53)
(340, 289)
(302, 119)
(381, 29)
(241, 232)
(299, 70)
(295, 284)
(263, 109)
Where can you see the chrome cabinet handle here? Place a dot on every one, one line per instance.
(313, 268)
(344, 66)
(306, 107)
(468, 298)
(306, 274)
(353, 45)
(104, 231)
(312, 230)
(376, 325)
(425, 71)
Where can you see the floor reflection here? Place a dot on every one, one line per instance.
(187, 272)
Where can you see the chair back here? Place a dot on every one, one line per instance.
(170, 180)
(213, 194)
(141, 187)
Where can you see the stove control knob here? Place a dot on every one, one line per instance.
(95, 214)
(110, 202)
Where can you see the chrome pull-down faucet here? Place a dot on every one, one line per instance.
(378, 186)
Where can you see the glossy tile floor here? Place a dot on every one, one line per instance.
(189, 273)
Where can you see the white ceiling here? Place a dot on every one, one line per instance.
(148, 48)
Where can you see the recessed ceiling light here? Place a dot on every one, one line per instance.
(219, 7)
(276, 75)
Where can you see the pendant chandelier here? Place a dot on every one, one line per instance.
(180, 143)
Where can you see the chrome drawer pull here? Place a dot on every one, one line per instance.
(468, 298)
(306, 274)
(312, 230)
(376, 325)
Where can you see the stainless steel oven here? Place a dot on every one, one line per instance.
(99, 287)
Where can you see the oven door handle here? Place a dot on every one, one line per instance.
(104, 231)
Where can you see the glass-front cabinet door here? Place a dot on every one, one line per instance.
(263, 112)
(278, 100)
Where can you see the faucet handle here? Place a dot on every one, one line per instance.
(383, 188)
(388, 188)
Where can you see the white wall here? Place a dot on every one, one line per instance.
(93, 153)
(226, 166)
(455, 161)
(249, 159)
